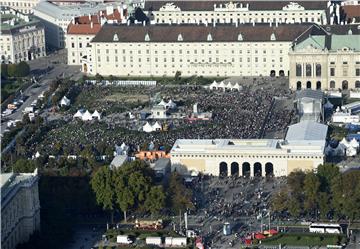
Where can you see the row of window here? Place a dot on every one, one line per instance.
(194, 14)
(249, 156)
(180, 51)
(238, 44)
(173, 59)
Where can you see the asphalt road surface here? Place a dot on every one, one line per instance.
(40, 68)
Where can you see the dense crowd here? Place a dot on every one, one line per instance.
(241, 114)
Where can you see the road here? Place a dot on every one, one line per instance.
(38, 68)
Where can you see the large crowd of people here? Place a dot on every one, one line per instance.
(242, 114)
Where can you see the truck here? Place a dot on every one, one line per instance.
(153, 241)
(28, 109)
(149, 224)
(176, 241)
(123, 239)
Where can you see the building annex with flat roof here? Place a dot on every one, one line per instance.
(303, 149)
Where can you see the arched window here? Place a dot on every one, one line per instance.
(357, 84)
(318, 85)
(308, 70)
(332, 84)
(345, 85)
(298, 85)
(298, 70)
(318, 70)
(308, 85)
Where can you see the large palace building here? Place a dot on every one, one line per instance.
(326, 58)
(237, 11)
(303, 148)
(219, 50)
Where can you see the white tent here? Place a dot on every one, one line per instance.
(96, 114)
(65, 101)
(354, 144)
(86, 116)
(78, 114)
(351, 151)
(345, 143)
(131, 116)
(214, 84)
(222, 85)
(147, 127)
(162, 103)
(171, 104)
(237, 86)
(156, 127)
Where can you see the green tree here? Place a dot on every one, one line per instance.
(327, 172)
(102, 185)
(279, 201)
(155, 200)
(324, 204)
(22, 69)
(4, 71)
(11, 70)
(311, 189)
(177, 75)
(294, 206)
(98, 77)
(180, 196)
(24, 166)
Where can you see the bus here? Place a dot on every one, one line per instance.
(325, 228)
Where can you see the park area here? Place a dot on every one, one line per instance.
(304, 239)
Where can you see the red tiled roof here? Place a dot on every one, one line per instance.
(351, 10)
(82, 24)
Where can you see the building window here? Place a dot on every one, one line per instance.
(332, 71)
(318, 70)
(345, 72)
(357, 71)
(357, 84)
(298, 70)
(332, 84)
(80, 45)
(308, 70)
(73, 45)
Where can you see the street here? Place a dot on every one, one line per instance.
(38, 68)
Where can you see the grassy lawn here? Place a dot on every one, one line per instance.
(304, 239)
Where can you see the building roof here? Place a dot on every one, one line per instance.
(67, 12)
(351, 11)
(91, 24)
(197, 33)
(307, 130)
(118, 160)
(309, 93)
(13, 21)
(253, 5)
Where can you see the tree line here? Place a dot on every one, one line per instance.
(133, 188)
(322, 194)
(21, 69)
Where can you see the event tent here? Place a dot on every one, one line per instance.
(147, 127)
(96, 114)
(86, 116)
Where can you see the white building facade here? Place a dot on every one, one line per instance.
(22, 37)
(237, 11)
(56, 18)
(24, 6)
(247, 157)
(326, 58)
(20, 208)
(162, 50)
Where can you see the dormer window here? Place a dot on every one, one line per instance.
(147, 37)
(180, 38)
(240, 37)
(115, 38)
(209, 37)
(273, 37)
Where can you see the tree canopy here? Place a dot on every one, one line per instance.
(325, 192)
